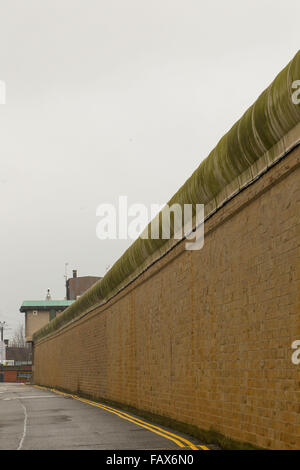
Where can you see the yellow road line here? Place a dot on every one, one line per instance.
(118, 413)
(138, 421)
(151, 427)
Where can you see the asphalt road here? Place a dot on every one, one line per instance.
(32, 418)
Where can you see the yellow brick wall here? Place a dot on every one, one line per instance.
(204, 337)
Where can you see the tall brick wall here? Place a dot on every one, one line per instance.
(204, 337)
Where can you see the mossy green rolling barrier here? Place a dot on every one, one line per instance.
(265, 133)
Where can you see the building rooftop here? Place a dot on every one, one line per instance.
(44, 304)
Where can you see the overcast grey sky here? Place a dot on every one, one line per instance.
(109, 98)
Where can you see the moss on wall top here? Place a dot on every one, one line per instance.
(251, 145)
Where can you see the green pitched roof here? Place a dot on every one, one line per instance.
(44, 304)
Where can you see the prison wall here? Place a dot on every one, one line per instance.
(203, 337)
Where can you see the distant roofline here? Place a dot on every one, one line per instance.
(44, 304)
(84, 277)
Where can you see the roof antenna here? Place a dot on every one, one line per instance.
(66, 272)
(48, 296)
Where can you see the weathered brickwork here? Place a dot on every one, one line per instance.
(204, 337)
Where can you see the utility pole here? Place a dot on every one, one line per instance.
(2, 325)
(2, 345)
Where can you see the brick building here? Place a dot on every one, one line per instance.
(39, 312)
(76, 286)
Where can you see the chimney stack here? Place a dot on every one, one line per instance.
(74, 272)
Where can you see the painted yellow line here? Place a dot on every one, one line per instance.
(143, 423)
(179, 443)
(151, 427)
(116, 412)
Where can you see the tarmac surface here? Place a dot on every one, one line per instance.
(33, 418)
